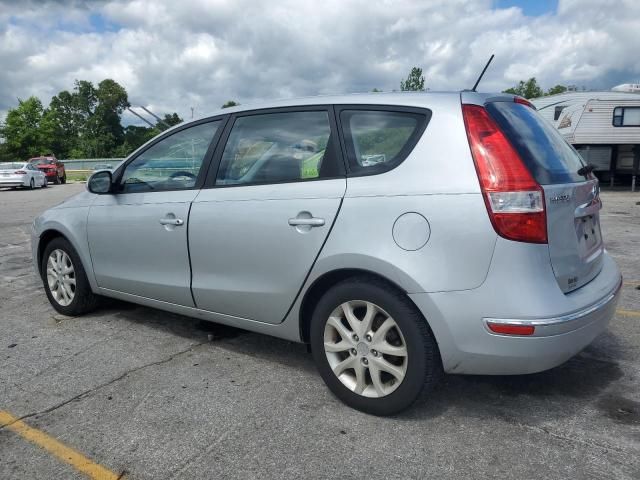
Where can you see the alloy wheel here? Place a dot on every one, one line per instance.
(61, 277)
(365, 348)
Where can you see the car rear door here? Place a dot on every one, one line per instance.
(572, 200)
(256, 232)
(138, 234)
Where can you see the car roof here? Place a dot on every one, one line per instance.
(417, 99)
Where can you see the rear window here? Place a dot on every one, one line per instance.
(11, 166)
(378, 140)
(547, 155)
(42, 161)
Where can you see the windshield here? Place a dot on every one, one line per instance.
(42, 161)
(10, 166)
(548, 156)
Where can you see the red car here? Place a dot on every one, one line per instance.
(51, 167)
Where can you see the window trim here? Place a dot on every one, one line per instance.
(360, 171)
(622, 125)
(212, 174)
(206, 160)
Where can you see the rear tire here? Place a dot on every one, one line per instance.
(57, 180)
(32, 184)
(45, 184)
(386, 357)
(65, 280)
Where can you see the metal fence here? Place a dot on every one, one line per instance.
(89, 164)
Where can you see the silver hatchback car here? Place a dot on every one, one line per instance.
(400, 235)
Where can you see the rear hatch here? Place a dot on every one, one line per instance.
(572, 200)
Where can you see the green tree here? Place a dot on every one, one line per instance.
(414, 82)
(171, 119)
(556, 90)
(102, 131)
(528, 89)
(230, 103)
(134, 137)
(22, 132)
(87, 121)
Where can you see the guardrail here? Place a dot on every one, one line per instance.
(88, 164)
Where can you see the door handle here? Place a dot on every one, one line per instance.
(171, 221)
(311, 222)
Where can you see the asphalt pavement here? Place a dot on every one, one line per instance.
(145, 394)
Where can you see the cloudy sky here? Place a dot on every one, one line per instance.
(175, 54)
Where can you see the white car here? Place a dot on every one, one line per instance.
(21, 174)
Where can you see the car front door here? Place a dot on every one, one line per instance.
(138, 234)
(255, 234)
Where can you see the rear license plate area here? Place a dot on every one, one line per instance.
(588, 232)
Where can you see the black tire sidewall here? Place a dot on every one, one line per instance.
(407, 318)
(83, 293)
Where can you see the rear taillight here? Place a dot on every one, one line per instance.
(514, 200)
(20, 172)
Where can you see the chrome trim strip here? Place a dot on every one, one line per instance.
(555, 325)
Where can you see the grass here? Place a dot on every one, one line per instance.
(77, 175)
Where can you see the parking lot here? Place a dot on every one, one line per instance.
(137, 393)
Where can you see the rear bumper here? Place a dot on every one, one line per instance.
(468, 346)
(546, 327)
(12, 183)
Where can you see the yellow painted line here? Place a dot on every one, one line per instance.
(57, 449)
(628, 313)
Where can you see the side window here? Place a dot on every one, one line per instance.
(378, 140)
(626, 117)
(617, 117)
(171, 164)
(279, 147)
(557, 111)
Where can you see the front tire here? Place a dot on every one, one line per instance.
(65, 280)
(64, 178)
(57, 180)
(372, 347)
(32, 184)
(45, 184)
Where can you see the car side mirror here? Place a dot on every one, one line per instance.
(100, 182)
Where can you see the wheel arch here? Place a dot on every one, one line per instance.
(45, 238)
(321, 284)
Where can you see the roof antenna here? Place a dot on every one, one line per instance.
(482, 74)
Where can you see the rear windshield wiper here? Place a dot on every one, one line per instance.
(586, 170)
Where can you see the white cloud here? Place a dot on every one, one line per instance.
(172, 55)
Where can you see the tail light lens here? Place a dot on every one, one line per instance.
(514, 200)
(20, 172)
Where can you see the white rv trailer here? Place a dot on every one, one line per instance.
(603, 126)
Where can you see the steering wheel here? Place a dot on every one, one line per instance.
(182, 173)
